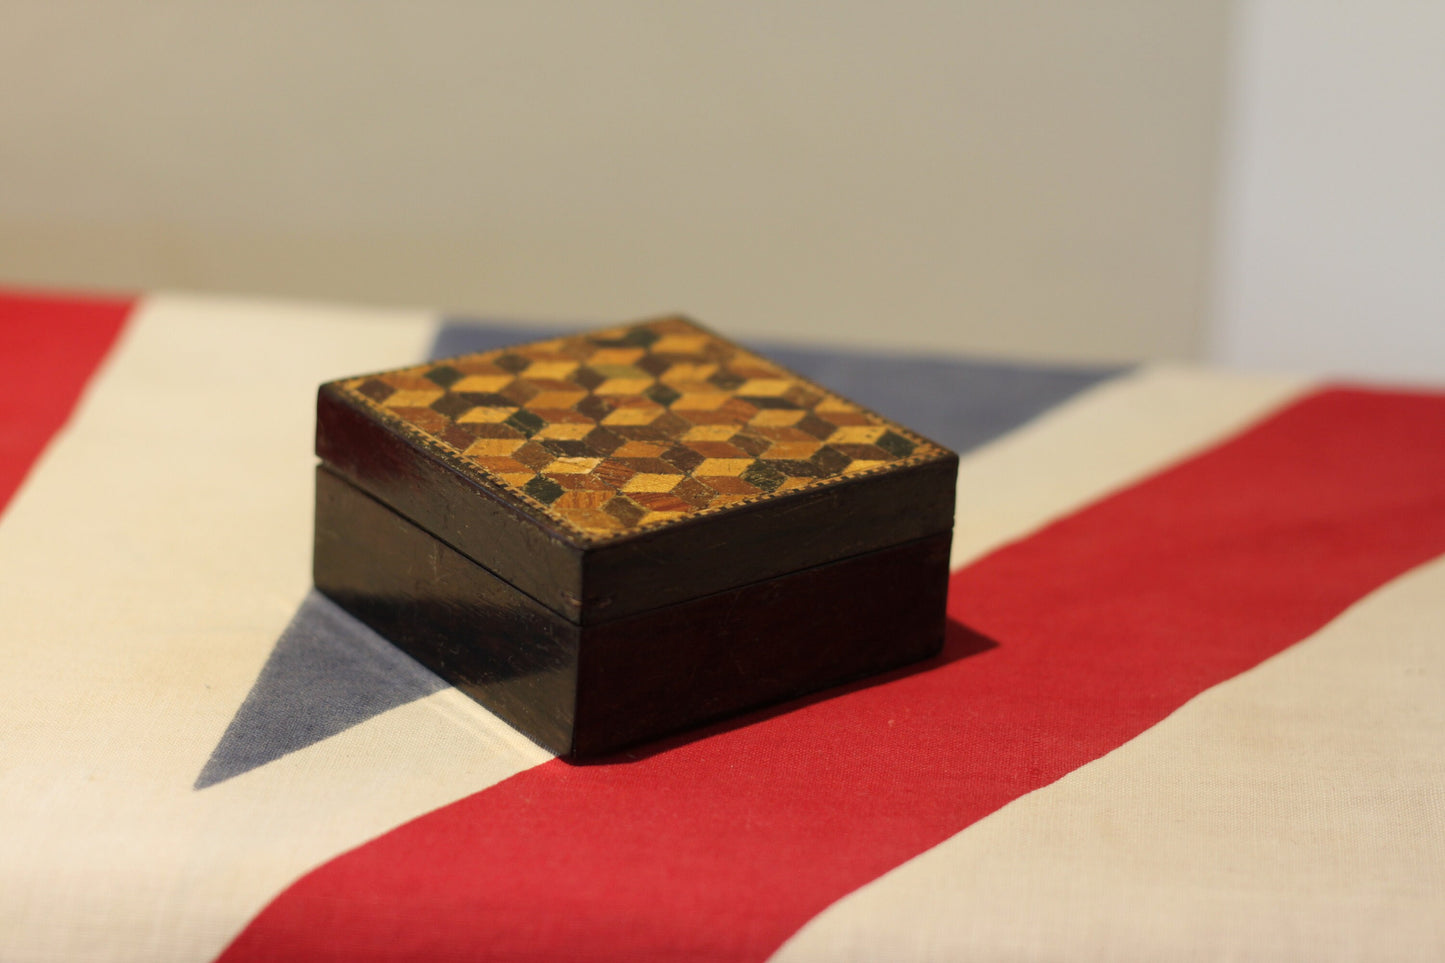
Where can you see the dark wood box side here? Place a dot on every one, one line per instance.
(664, 671)
(753, 543)
(501, 536)
(589, 691)
(502, 648)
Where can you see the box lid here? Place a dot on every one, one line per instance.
(613, 472)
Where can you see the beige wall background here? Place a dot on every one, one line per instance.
(1014, 178)
(1332, 213)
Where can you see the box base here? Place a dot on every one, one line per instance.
(584, 691)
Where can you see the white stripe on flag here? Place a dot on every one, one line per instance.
(1108, 437)
(1291, 813)
(147, 570)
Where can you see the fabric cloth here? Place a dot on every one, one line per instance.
(1191, 704)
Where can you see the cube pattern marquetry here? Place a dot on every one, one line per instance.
(635, 426)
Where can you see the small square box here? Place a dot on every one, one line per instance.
(614, 536)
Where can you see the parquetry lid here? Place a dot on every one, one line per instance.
(628, 431)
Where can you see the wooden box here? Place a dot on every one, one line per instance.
(610, 537)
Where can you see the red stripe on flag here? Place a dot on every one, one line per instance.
(1105, 622)
(49, 347)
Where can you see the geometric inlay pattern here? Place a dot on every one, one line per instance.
(636, 426)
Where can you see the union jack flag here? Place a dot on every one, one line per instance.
(1192, 703)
